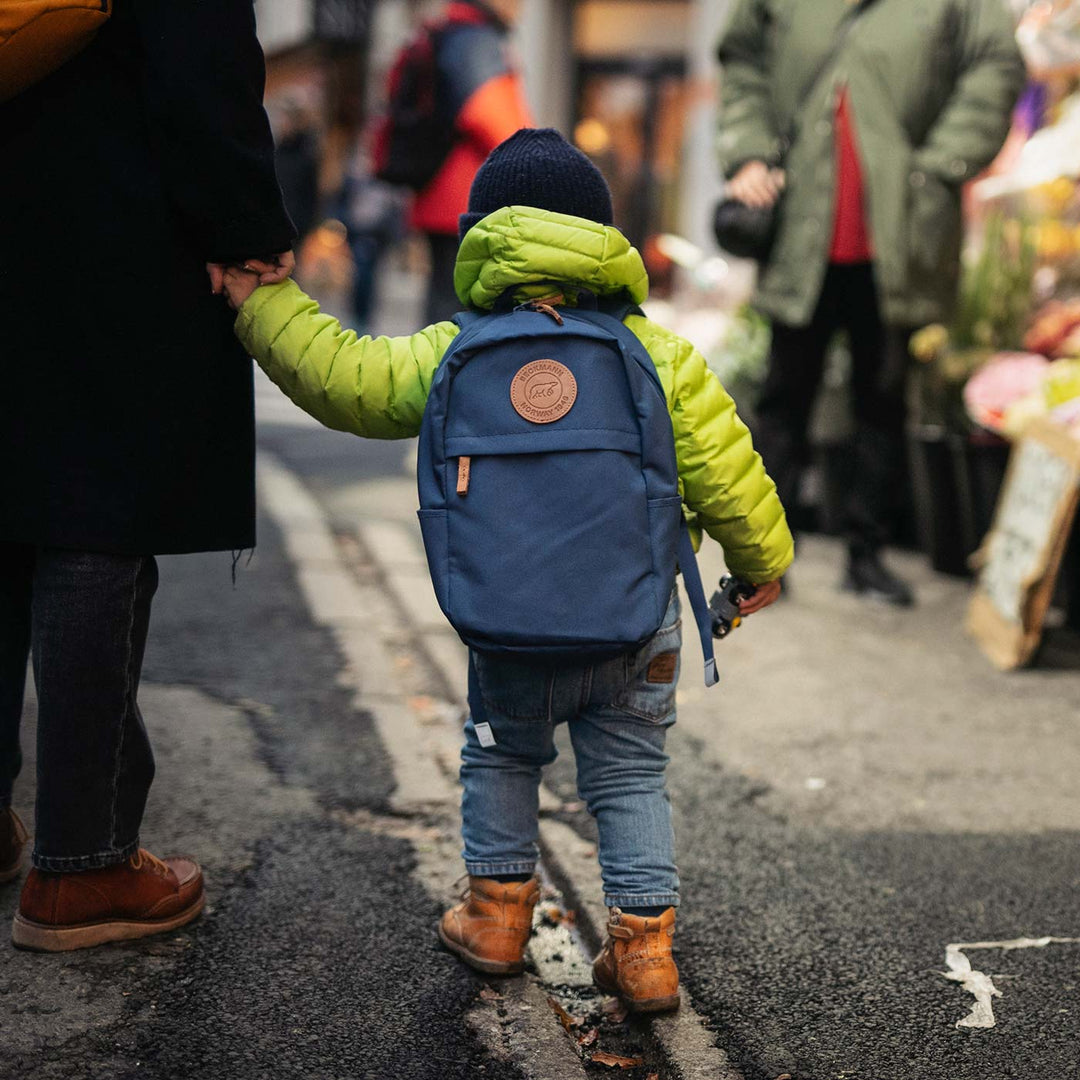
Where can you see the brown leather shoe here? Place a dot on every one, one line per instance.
(490, 927)
(142, 896)
(635, 962)
(13, 837)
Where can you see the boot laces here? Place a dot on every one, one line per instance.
(142, 858)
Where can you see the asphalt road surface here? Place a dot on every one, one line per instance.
(861, 791)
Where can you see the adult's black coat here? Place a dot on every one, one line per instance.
(126, 412)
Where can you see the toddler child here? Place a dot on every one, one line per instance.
(540, 212)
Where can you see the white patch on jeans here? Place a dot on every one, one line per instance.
(485, 735)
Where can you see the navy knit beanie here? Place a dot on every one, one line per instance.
(538, 167)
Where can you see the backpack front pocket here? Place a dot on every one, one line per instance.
(544, 561)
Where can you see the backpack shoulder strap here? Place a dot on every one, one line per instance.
(695, 591)
(619, 307)
(465, 319)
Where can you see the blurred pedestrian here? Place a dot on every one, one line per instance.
(478, 99)
(539, 214)
(859, 120)
(296, 160)
(126, 430)
(374, 219)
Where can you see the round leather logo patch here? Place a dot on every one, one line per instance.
(543, 391)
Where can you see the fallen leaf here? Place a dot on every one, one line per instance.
(616, 1061)
(589, 1037)
(653, 1076)
(487, 994)
(784, 1076)
(565, 1018)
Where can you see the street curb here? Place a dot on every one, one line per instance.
(338, 601)
(682, 1039)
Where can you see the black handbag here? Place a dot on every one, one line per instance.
(749, 232)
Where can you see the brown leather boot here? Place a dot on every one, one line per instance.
(635, 962)
(143, 895)
(13, 839)
(490, 927)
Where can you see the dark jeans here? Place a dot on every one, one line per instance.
(85, 618)
(441, 302)
(879, 356)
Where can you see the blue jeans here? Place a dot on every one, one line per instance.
(84, 617)
(618, 713)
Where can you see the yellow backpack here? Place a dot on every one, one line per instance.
(38, 36)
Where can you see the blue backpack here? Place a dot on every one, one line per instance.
(549, 491)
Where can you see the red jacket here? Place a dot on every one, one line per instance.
(489, 95)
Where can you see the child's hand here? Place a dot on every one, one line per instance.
(766, 593)
(239, 283)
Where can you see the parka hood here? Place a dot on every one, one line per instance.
(519, 246)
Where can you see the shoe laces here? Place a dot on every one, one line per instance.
(466, 891)
(142, 858)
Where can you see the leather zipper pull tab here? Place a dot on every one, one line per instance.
(464, 465)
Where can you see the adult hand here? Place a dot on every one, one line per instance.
(756, 185)
(764, 594)
(270, 271)
(273, 270)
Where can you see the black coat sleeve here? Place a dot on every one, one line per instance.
(203, 84)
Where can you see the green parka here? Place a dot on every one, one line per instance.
(932, 84)
(378, 387)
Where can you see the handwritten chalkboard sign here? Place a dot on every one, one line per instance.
(1019, 560)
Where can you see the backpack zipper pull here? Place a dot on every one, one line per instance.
(464, 464)
(544, 305)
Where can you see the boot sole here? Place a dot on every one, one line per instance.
(37, 937)
(645, 1005)
(488, 967)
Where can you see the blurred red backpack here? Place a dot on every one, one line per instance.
(415, 136)
(38, 36)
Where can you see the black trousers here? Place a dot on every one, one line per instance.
(84, 617)
(441, 301)
(879, 356)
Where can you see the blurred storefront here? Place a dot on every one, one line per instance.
(317, 62)
(634, 82)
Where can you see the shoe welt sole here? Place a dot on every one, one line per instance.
(37, 937)
(488, 967)
(645, 1005)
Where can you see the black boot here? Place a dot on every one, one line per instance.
(867, 575)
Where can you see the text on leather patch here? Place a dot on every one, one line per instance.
(543, 391)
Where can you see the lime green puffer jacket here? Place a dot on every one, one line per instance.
(377, 387)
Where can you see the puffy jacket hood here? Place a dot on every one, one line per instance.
(518, 246)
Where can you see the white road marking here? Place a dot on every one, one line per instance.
(978, 982)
